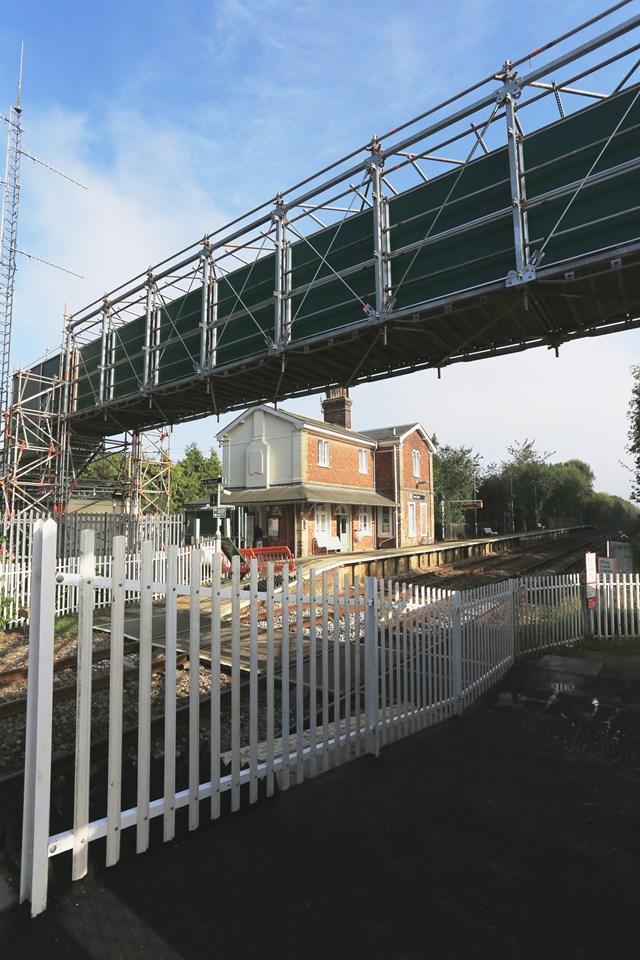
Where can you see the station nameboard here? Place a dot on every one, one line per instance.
(471, 504)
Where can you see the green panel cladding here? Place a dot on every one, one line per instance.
(332, 271)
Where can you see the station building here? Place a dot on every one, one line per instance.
(318, 486)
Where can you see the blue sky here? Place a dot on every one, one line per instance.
(179, 117)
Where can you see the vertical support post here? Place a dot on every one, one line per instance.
(509, 94)
(371, 666)
(456, 651)
(37, 767)
(149, 335)
(205, 260)
(282, 300)
(106, 312)
(382, 266)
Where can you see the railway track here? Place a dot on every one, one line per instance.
(566, 556)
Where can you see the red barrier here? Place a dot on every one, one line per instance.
(280, 556)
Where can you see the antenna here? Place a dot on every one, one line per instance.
(9, 247)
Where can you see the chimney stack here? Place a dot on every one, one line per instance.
(337, 407)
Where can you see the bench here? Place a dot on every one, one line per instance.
(324, 541)
(488, 532)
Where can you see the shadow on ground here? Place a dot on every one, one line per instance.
(513, 832)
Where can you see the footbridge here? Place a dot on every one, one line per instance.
(504, 219)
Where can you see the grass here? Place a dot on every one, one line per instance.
(614, 644)
(66, 624)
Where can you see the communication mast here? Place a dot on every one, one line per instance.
(8, 250)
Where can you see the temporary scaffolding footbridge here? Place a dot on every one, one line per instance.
(503, 219)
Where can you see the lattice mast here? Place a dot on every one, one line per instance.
(8, 250)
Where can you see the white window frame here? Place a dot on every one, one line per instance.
(323, 453)
(363, 461)
(415, 457)
(364, 520)
(412, 529)
(384, 521)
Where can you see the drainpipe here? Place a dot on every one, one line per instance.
(396, 493)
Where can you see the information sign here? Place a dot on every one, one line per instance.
(607, 566)
(591, 579)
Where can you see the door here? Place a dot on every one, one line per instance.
(344, 531)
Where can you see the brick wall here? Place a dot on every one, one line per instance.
(343, 469)
(415, 485)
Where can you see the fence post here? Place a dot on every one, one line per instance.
(514, 622)
(371, 666)
(37, 768)
(456, 638)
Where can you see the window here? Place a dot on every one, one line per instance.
(323, 453)
(363, 461)
(424, 520)
(411, 519)
(323, 519)
(416, 462)
(384, 521)
(364, 519)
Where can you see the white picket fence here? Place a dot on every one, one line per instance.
(321, 672)
(15, 581)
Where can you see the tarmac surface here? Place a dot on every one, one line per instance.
(512, 832)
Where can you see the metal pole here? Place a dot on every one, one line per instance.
(475, 509)
(218, 544)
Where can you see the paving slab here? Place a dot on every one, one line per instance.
(590, 668)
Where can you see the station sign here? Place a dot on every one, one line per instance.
(591, 580)
(471, 504)
(218, 513)
(211, 481)
(418, 496)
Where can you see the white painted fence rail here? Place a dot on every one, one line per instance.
(320, 672)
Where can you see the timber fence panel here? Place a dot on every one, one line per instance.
(285, 659)
(143, 759)
(83, 708)
(336, 670)
(214, 725)
(324, 603)
(116, 686)
(253, 683)
(37, 767)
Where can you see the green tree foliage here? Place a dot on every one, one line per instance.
(456, 472)
(633, 447)
(526, 490)
(188, 473)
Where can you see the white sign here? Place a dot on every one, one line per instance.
(590, 567)
(591, 580)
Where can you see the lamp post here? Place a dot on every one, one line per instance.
(216, 507)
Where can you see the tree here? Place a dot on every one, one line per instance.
(572, 491)
(633, 447)
(456, 471)
(187, 476)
